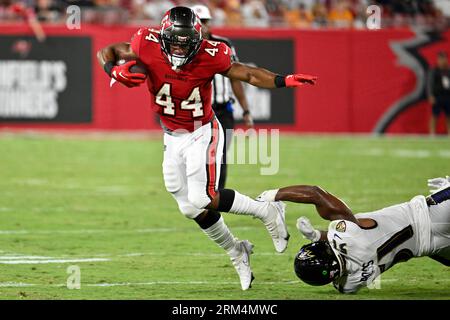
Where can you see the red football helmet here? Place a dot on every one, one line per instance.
(180, 35)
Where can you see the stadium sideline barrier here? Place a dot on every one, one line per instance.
(364, 76)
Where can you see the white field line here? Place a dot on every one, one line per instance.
(152, 283)
(14, 258)
(444, 153)
(404, 153)
(27, 261)
(197, 254)
(149, 283)
(174, 283)
(216, 282)
(15, 284)
(89, 231)
(97, 231)
(31, 182)
(102, 257)
(22, 257)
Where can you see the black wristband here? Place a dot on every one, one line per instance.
(280, 81)
(246, 112)
(108, 67)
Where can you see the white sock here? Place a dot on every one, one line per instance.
(220, 234)
(243, 204)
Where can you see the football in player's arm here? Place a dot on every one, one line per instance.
(356, 249)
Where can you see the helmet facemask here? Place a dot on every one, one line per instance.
(180, 36)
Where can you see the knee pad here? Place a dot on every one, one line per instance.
(198, 198)
(172, 178)
(189, 211)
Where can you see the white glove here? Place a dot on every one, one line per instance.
(305, 227)
(436, 184)
(268, 195)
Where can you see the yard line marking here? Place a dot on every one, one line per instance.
(198, 254)
(150, 283)
(375, 152)
(407, 153)
(53, 261)
(15, 284)
(14, 258)
(18, 257)
(98, 231)
(31, 182)
(172, 283)
(90, 231)
(444, 153)
(13, 232)
(404, 153)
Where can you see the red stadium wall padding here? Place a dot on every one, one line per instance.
(360, 77)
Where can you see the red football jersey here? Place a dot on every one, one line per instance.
(181, 96)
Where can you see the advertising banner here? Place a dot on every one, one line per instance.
(267, 106)
(368, 81)
(45, 82)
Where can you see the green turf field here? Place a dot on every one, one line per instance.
(100, 204)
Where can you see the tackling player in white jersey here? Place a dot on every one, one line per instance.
(356, 249)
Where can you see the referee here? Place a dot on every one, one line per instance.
(223, 90)
(439, 91)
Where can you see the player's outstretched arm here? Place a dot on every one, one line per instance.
(263, 78)
(328, 206)
(108, 56)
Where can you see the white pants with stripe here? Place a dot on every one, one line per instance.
(191, 166)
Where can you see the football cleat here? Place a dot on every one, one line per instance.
(242, 264)
(276, 225)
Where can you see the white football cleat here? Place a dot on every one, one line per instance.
(242, 264)
(276, 225)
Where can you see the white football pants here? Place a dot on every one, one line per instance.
(191, 166)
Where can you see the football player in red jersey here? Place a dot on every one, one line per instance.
(180, 68)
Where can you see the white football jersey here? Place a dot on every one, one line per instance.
(401, 232)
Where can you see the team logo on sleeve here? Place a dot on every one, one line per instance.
(340, 227)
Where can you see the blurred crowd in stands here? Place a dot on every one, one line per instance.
(240, 13)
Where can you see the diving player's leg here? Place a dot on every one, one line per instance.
(272, 214)
(202, 174)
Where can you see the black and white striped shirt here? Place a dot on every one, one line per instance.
(222, 92)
